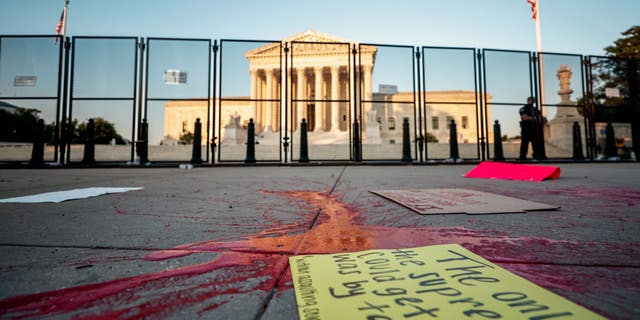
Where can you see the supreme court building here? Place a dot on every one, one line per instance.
(321, 91)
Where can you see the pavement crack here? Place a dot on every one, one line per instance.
(273, 291)
(24, 245)
(335, 184)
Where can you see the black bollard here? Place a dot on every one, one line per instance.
(251, 143)
(89, 155)
(304, 145)
(406, 141)
(213, 150)
(453, 142)
(37, 152)
(577, 142)
(285, 145)
(539, 152)
(498, 153)
(610, 150)
(142, 145)
(357, 155)
(196, 154)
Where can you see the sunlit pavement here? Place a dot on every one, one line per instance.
(214, 242)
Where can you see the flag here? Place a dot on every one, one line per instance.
(61, 24)
(534, 8)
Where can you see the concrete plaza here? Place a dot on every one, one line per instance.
(213, 242)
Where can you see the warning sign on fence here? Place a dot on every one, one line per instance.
(440, 282)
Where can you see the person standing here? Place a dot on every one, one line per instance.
(528, 117)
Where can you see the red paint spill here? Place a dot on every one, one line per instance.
(263, 257)
(123, 296)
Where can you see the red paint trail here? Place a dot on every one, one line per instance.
(264, 257)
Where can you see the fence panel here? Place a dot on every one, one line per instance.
(388, 97)
(508, 82)
(450, 92)
(320, 82)
(30, 85)
(251, 80)
(178, 92)
(563, 103)
(613, 87)
(103, 83)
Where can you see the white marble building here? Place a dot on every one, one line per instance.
(320, 92)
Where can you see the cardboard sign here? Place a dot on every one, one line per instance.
(443, 201)
(511, 171)
(440, 282)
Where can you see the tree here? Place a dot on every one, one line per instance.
(105, 132)
(19, 125)
(627, 47)
(619, 70)
(186, 138)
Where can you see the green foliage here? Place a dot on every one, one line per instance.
(614, 71)
(628, 46)
(431, 137)
(104, 132)
(186, 138)
(20, 125)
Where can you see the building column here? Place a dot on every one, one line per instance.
(367, 82)
(254, 92)
(268, 105)
(335, 95)
(367, 95)
(318, 96)
(301, 86)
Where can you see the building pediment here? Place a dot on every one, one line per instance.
(272, 49)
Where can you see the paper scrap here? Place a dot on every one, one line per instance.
(60, 196)
(451, 200)
(442, 282)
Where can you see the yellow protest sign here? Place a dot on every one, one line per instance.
(440, 282)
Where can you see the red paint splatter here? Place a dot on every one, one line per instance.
(264, 257)
(122, 295)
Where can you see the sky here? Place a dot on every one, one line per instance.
(567, 26)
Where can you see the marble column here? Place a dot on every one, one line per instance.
(254, 92)
(366, 70)
(335, 95)
(301, 87)
(268, 118)
(318, 96)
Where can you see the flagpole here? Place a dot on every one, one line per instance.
(539, 49)
(64, 19)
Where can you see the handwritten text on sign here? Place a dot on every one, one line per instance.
(440, 282)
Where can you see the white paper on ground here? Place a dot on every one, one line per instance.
(59, 196)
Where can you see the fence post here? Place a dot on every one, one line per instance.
(498, 153)
(454, 155)
(610, 150)
(37, 151)
(304, 146)
(142, 144)
(577, 142)
(89, 144)
(196, 154)
(357, 155)
(406, 141)
(213, 150)
(251, 143)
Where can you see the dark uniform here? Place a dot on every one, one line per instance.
(528, 131)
